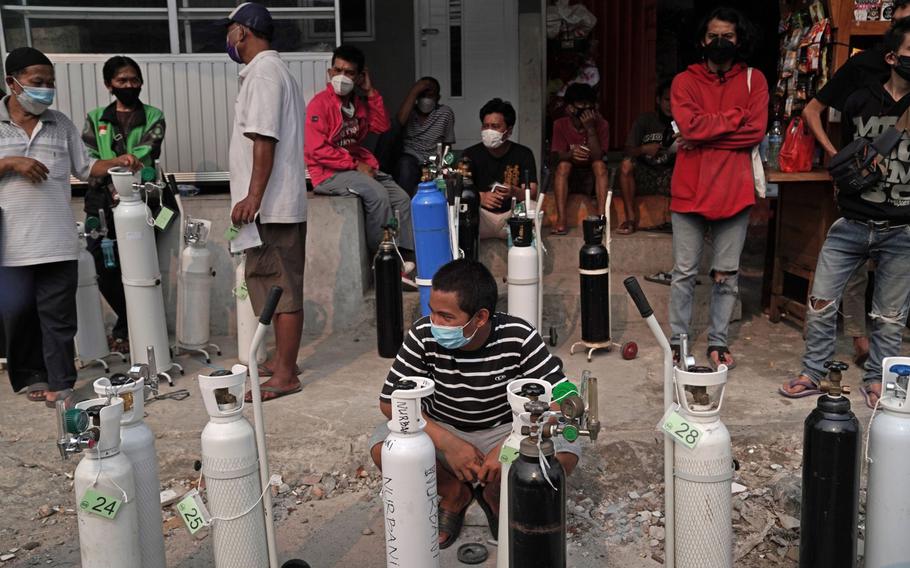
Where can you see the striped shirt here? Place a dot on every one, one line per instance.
(420, 138)
(38, 225)
(471, 385)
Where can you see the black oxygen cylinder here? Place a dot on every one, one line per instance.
(389, 302)
(831, 476)
(594, 273)
(537, 513)
(469, 221)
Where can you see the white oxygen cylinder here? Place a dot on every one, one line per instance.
(517, 404)
(246, 318)
(230, 465)
(523, 272)
(91, 337)
(409, 481)
(888, 493)
(141, 277)
(704, 474)
(107, 543)
(137, 442)
(195, 281)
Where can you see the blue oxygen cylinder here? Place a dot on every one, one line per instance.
(432, 245)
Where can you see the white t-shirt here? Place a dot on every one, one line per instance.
(269, 104)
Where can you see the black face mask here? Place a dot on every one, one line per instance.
(903, 67)
(720, 51)
(129, 96)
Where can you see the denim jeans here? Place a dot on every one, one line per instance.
(729, 235)
(849, 245)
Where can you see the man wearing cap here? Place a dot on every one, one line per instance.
(39, 149)
(268, 186)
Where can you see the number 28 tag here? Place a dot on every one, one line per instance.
(99, 504)
(679, 428)
(193, 512)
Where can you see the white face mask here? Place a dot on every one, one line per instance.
(342, 84)
(492, 138)
(426, 105)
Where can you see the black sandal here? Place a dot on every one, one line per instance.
(722, 353)
(451, 523)
(492, 519)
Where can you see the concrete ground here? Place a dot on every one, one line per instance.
(329, 513)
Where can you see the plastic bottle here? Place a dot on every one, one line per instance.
(775, 140)
(107, 250)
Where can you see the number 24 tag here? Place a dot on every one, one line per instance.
(679, 428)
(99, 504)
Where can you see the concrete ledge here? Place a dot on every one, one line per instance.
(337, 265)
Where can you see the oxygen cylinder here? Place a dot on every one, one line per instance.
(432, 243)
(594, 273)
(230, 465)
(389, 301)
(469, 220)
(409, 481)
(137, 442)
(523, 275)
(91, 337)
(518, 392)
(704, 473)
(537, 504)
(105, 543)
(195, 281)
(246, 318)
(831, 474)
(888, 493)
(141, 276)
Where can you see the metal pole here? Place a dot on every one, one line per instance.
(172, 28)
(259, 420)
(337, 22)
(26, 26)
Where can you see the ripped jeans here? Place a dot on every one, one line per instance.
(728, 236)
(849, 245)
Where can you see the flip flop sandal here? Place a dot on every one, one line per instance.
(451, 523)
(66, 395)
(811, 389)
(248, 397)
(492, 519)
(32, 390)
(660, 277)
(265, 371)
(626, 228)
(722, 353)
(868, 393)
(559, 231)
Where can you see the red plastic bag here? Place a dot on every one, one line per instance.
(798, 149)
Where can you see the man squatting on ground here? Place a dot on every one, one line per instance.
(472, 352)
(873, 225)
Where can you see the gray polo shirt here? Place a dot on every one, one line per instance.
(38, 225)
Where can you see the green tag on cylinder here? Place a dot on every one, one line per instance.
(99, 504)
(680, 429)
(508, 454)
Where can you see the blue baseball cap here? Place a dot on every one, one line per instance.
(252, 15)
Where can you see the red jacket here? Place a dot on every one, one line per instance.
(723, 120)
(323, 125)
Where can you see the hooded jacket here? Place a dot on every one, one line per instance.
(723, 119)
(324, 158)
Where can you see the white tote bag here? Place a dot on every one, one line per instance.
(758, 169)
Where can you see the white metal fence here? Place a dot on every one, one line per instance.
(196, 94)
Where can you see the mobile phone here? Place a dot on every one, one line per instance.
(498, 187)
(674, 126)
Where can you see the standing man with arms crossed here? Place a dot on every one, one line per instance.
(268, 185)
(721, 107)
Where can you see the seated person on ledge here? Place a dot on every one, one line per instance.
(472, 352)
(500, 167)
(650, 156)
(424, 123)
(580, 140)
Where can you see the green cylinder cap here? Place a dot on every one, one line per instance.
(148, 174)
(570, 433)
(564, 389)
(92, 223)
(76, 420)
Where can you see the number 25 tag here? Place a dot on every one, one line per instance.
(193, 512)
(99, 504)
(679, 428)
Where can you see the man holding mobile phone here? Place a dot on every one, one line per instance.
(501, 168)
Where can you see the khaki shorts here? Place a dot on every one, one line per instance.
(279, 261)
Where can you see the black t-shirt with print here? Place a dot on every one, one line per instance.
(865, 68)
(867, 113)
(487, 169)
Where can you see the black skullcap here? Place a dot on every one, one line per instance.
(22, 57)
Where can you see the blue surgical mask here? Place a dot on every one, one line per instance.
(451, 336)
(232, 50)
(35, 100)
